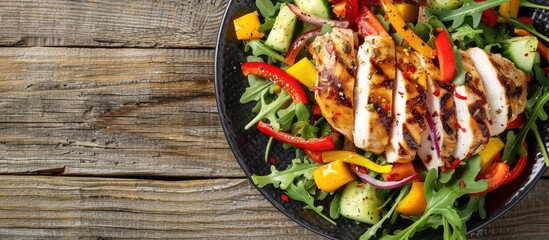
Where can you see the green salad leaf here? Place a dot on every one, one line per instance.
(441, 201)
(283, 179)
(266, 8)
(298, 192)
(259, 49)
(334, 205)
(535, 109)
(525, 3)
(268, 110)
(470, 8)
(528, 27)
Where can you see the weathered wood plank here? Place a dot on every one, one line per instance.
(111, 112)
(35, 206)
(105, 23)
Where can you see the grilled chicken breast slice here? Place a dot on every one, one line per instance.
(374, 93)
(471, 112)
(507, 87)
(408, 108)
(441, 109)
(336, 64)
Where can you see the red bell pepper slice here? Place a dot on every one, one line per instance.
(346, 10)
(519, 167)
(352, 10)
(495, 177)
(526, 20)
(299, 43)
(368, 24)
(488, 16)
(445, 55)
(278, 76)
(315, 155)
(315, 144)
(516, 123)
(315, 109)
(376, 3)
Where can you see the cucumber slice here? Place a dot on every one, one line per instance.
(521, 51)
(282, 32)
(360, 202)
(319, 8)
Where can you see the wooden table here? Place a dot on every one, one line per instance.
(109, 129)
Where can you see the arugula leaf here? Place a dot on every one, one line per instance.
(445, 176)
(267, 25)
(302, 127)
(283, 179)
(529, 27)
(259, 49)
(286, 117)
(257, 88)
(299, 193)
(425, 32)
(469, 8)
(334, 205)
(465, 31)
(537, 111)
(268, 110)
(384, 22)
(268, 149)
(441, 201)
(326, 28)
(373, 229)
(266, 7)
(525, 3)
(472, 206)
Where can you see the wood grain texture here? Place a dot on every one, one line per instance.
(106, 23)
(95, 208)
(138, 112)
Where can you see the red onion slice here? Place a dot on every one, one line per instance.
(315, 20)
(433, 133)
(299, 43)
(385, 185)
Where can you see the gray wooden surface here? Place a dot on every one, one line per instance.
(109, 129)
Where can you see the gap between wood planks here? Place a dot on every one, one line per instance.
(58, 172)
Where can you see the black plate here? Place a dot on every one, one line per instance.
(248, 146)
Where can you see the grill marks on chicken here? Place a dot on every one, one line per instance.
(408, 107)
(384, 110)
(505, 83)
(441, 109)
(335, 56)
(471, 112)
(374, 93)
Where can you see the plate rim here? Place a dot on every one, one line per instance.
(234, 147)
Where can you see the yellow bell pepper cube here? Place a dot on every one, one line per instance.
(508, 10)
(354, 158)
(407, 33)
(332, 176)
(246, 27)
(493, 147)
(414, 203)
(303, 71)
